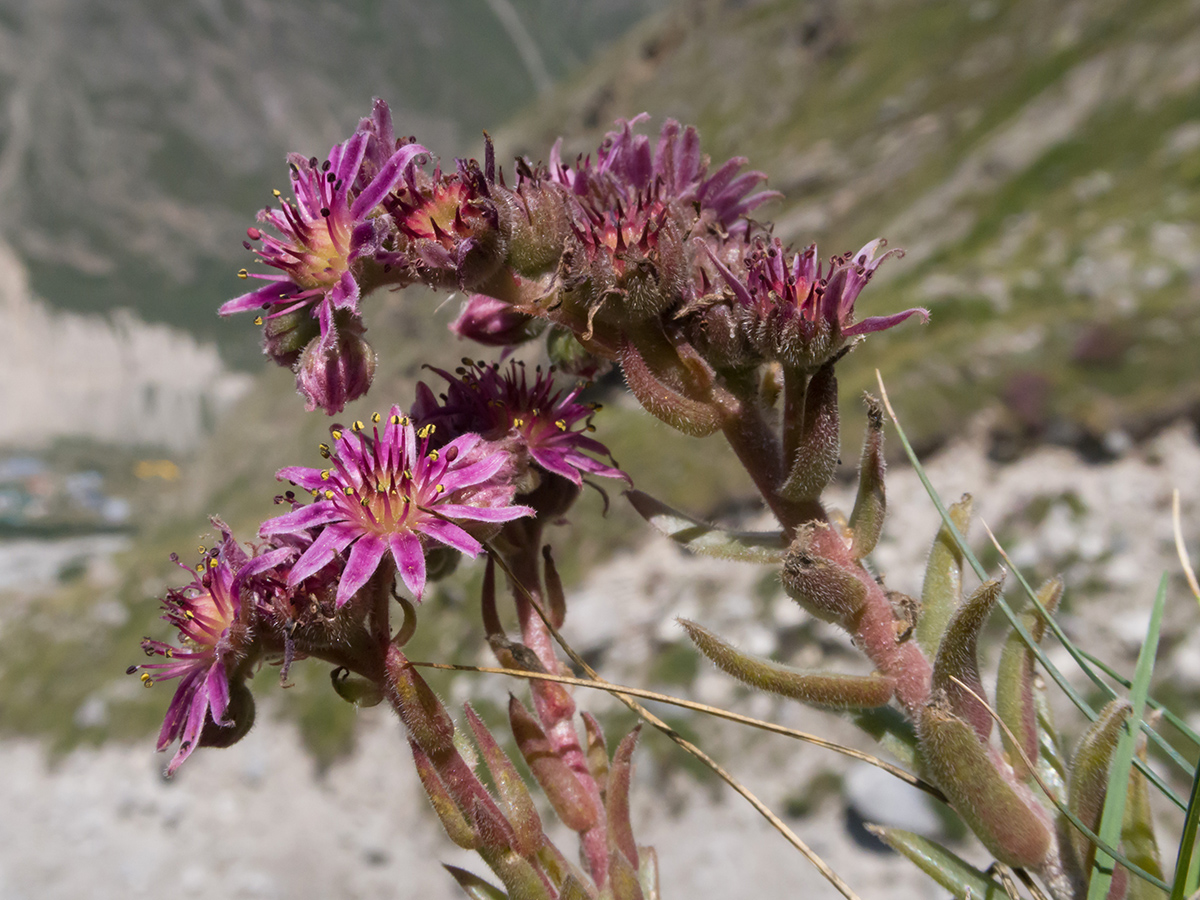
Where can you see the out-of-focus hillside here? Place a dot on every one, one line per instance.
(137, 138)
(1038, 161)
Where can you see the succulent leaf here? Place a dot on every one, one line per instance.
(954, 874)
(1002, 813)
(870, 507)
(620, 828)
(561, 786)
(692, 417)
(448, 813)
(709, 540)
(1089, 780)
(474, 886)
(819, 447)
(831, 691)
(958, 661)
(1014, 683)
(823, 587)
(942, 590)
(518, 803)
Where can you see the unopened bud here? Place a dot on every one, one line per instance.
(285, 336)
(331, 373)
(956, 667)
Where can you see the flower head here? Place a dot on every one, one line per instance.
(326, 235)
(552, 426)
(216, 638)
(449, 225)
(391, 491)
(799, 312)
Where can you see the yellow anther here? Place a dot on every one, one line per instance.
(315, 492)
(148, 682)
(395, 420)
(169, 653)
(145, 677)
(324, 474)
(212, 563)
(258, 320)
(277, 193)
(589, 427)
(426, 430)
(242, 273)
(376, 417)
(441, 488)
(561, 424)
(337, 435)
(347, 490)
(405, 421)
(408, 474)
(433, 456)
(189, 615)
(517, 422)
(358, 425)
(329, 495)
(324, 448)
(199, 567)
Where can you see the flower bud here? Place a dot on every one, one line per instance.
(332, 373)
(286, 335)
(536, 218)
(494, 323)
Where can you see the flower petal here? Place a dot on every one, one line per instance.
(410, 560)
(329, 543)
(364, 560)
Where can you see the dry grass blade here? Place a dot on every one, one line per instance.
(777, 823)
(1188, 572)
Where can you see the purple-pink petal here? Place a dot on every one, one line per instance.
(881, 323)
(452, 536)
(330, 542)
(482, 513)
(256, 299)
(320, 513)
(364, 559)
(216, 688)
(388, 176)
(410, 560)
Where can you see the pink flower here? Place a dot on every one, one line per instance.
(550, 424)
(327, 235)
(797, 311)
(215, 628)
(392, 492)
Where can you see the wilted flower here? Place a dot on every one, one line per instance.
(551, 425)
(798, 312)
(333, 224)
(217, 635)
(386, 493)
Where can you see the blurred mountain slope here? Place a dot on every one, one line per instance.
(137, 139)
(1039, 161)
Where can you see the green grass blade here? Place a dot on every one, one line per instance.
(1175, 721)
(949, 870)
(1187, 861)
(1059, 679)
(1118, 772)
